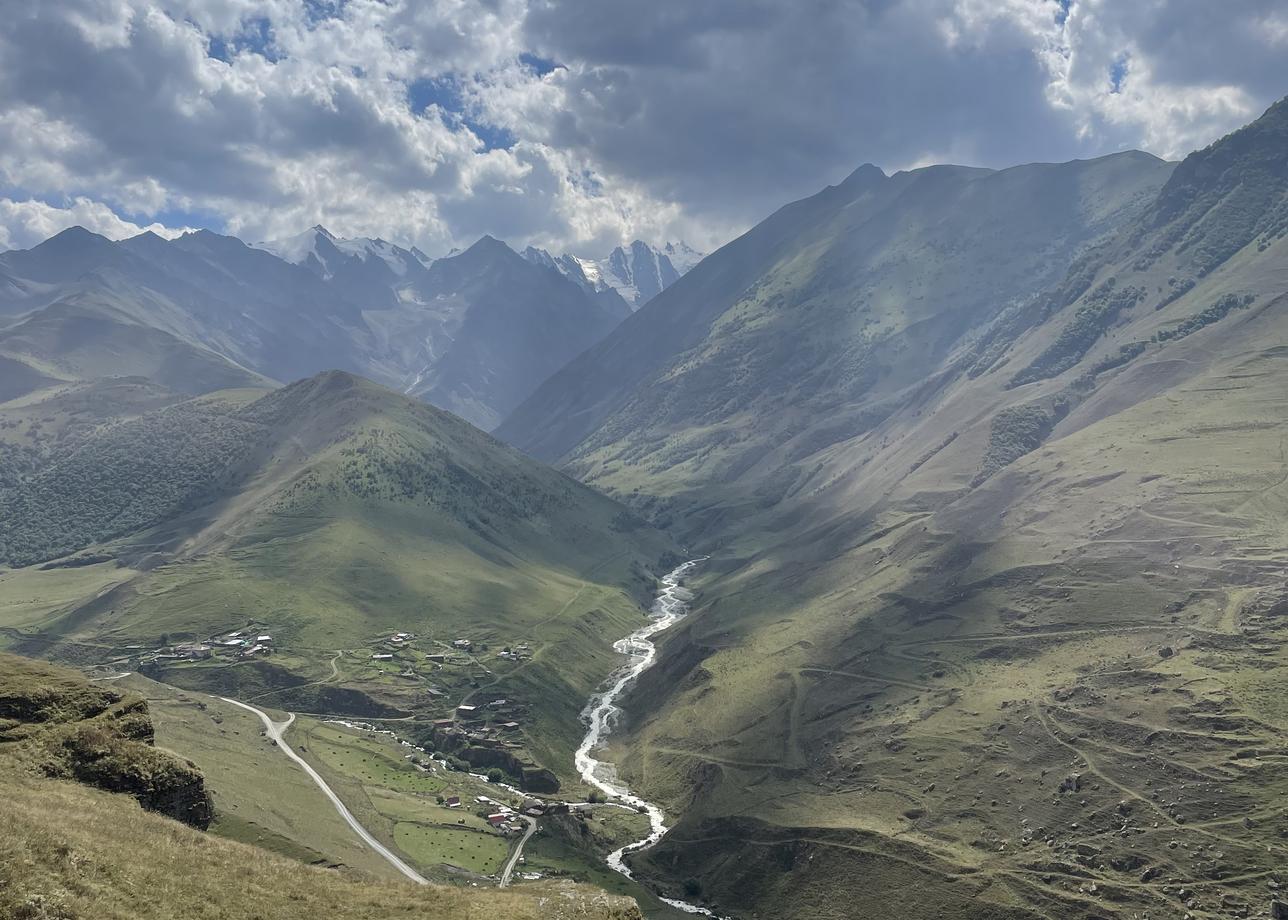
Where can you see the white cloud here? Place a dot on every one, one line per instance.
(1272, 29)
(664, 120)
(1114, 67)
(25, 223)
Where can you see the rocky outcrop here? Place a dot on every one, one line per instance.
(55, 722)
(531, 776)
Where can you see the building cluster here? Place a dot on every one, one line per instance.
(499, 815)
(243, 643)
(484, 724)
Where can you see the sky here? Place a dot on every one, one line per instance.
(580, 124)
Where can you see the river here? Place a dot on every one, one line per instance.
(670, 606)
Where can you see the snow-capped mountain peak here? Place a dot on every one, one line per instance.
(638, 272)
(682, 256)
(322, 251)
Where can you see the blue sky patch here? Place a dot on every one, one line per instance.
(445, 92)
(1118, 73)
(538, 65)
(254, 35)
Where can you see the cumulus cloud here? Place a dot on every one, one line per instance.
(1168, 77)
(582, 123)
(25, 223)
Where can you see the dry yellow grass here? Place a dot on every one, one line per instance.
(67, 851)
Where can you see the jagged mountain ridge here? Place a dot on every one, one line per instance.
(638, 272)
(475, 332)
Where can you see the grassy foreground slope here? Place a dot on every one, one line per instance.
(1018, 649)
(331, 514)
(69, 851)
(55, 724)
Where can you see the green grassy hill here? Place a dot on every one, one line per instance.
(1015, 647)
(69, 850)
(330, 514)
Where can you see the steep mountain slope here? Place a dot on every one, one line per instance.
(213, 292)
(818, 323)
(484, 328)
(70, 850)
(334, 513)
(475, 333)
(637, 273)
(1015, 645)
(77, 339)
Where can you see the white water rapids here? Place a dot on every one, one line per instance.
(671, 605)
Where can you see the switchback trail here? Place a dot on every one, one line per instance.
(274, 731)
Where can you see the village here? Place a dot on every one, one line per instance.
(458, 803)
(467, 733)
(243, 643)
(415, 673)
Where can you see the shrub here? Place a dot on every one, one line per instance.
(1218, 311)
(1015, 431)
(1090, 321)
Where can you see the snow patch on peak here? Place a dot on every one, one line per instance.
(682, 256)
(322, 250)
(638, 273)
(590, 270)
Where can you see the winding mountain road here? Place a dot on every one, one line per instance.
(274, 731)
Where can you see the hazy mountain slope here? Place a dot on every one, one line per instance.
(635, 274)
(276, 318)
(335, 513)
(503, 326)
(117, 860)
(1021, 642)
(18, 378)
(212, 291)
(821, 321)
(474, 333)
(77, 339)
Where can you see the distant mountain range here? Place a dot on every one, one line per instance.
(474, 333)
(638, 272)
